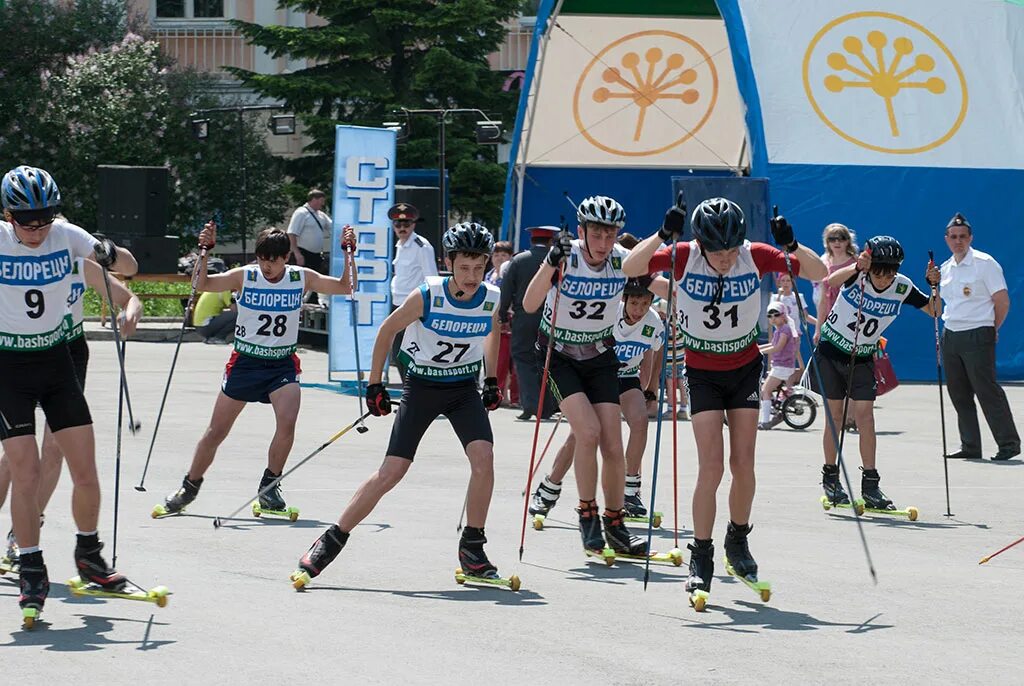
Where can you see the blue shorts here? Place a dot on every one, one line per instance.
(253, 379)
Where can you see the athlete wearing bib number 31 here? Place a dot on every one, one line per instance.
(451, 330)
(263, 367)
(872, 294)
(719, 304)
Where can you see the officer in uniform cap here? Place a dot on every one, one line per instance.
(414, 261)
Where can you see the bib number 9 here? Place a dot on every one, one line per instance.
(34, 300)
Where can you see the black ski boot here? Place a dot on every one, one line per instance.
(633, 504)
(545, 497)
(833, 489)
(618, 537)
(873, 497)
(35, 584)
(177, 501)
(323, 551)
(737, 553)
(702, 566)
(272, 499)
(472, 557)
(92, 568)
(590, 526)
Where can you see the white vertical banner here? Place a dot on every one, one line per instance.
(364, 189)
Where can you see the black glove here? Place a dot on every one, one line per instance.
(378, 402)
(105, 251)
(560, 249)
(675, 219)
(492, 394)
(782, 232)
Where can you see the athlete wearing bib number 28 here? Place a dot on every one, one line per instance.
(263, 367)
(870, 298)
(719, 304)
(451, 330)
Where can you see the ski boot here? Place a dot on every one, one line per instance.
(271, 501)
(92, 568)
(835, 496)
(590, 531)
(35, 586)
(618, 537)
(544, 498)
(176, 502)
(872, 495)
(10, 561)
(475, 567)
(702, 570)
(739, 563)
(634, 506)
(320, 554)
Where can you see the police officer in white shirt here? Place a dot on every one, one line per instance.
(414, 262)
(308, 231)
(976, 304)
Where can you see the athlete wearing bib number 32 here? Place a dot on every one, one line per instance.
(583, 371)
(451, 330)
(870, 298)
(38, 252)
(718, 306)
(263, 367)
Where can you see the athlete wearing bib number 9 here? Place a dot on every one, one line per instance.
(718, 307)
(451, 330)
(870, 298)
(263, 367)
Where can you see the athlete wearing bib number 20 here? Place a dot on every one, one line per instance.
(870, 298)
(451, 330)
(263, 367)
(583, 370)
(38, 252)
(718, 307)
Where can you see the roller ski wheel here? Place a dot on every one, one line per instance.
(857, 505)
(290, 513)
(538, 522)
(512, 583)
(156, 595)
(606, 554)
(654, 521)
(911, 513)
(674, 556)
(161, 511)
(699, 600)
(29, 616)
(300, 579)
(762, 588)
(702, 571)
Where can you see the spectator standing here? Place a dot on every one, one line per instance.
(507, 381)
(308, 231)
(524, 325)
(976, 304)
(414, 261)
(840, 251)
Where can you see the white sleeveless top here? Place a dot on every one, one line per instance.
(878, 311)
(268, 313)
(632, 341)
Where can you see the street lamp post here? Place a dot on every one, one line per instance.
(279, 125)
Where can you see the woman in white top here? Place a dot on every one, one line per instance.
(840, 251)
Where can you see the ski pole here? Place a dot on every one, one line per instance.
(540, 403)
(217, 521)
(813, 365)
(350, 252)
(1000, 551)
(174, 361)
(942, 403)
(849, 376)
(121, 396)
(547, 445)
(119, 346)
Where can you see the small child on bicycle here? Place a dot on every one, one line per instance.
(782, 351)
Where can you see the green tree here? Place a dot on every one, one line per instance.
(375, 56)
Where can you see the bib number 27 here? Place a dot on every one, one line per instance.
(445, 356)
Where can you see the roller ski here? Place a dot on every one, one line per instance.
(320, 554)
(636, 513)
(702, 570)
(835, 496)
(873, 500)
(35, 586)
(476, 568)
(593, 537)
(128, 591)
(543, 499)
(271, 502)
(739, 563)
(176, 502)
(11, 561)
(629, 547)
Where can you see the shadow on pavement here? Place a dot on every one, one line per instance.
(86, 638)
(492, 594)
(749, 617)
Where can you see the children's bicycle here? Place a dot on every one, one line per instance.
(793, 405)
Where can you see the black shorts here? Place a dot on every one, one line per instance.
(46, 378)
(423, 401)
(627, 383)
(253, 379)
(835, 374)
(733, 389)
(80, 358)
(597, 378)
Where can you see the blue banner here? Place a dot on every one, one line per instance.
(364, 190)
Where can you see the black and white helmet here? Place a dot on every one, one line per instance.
(27, 188)
(468, 237)
(601, 209)
(718, 224)
(638, 285)
(886, 251)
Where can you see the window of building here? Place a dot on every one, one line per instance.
(170, 9)
(189, 9)
(209, 8)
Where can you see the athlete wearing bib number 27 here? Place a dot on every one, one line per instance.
(451, 330)
(263, 367)
(870, 298)
(719, 303)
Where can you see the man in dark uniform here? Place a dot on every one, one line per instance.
(525, 325)
(414, 261)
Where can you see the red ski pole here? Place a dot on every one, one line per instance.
(1000, 551)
